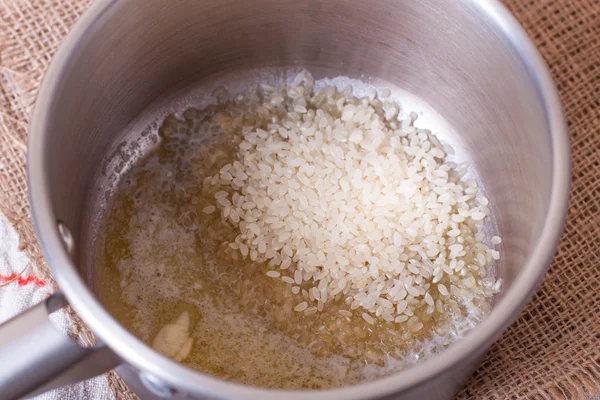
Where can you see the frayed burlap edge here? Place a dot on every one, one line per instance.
(553, 349)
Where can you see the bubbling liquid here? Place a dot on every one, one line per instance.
(159, 255)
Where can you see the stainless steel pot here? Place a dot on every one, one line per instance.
(469, 60)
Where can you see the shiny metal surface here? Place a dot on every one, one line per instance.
(31, 341)
(66, 237)
(468, 60)
(155, 385)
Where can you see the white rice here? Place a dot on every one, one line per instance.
(339, 194)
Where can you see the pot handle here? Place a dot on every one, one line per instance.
(36, 357)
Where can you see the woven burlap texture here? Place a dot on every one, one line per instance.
(552, 350)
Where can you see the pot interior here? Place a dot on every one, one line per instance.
(444, 59)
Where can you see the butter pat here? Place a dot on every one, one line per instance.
(173, 339)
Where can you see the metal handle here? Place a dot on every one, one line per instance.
(35, 357)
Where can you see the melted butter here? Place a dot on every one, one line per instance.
(160, 257)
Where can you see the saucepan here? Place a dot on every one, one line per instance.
(468, 60)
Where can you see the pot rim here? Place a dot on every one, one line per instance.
(141, 356)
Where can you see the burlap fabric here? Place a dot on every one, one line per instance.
(553, 350)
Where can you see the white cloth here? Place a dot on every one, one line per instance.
(19, 295)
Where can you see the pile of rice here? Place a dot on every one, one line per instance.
(343, 199)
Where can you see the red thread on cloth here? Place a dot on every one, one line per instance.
(21, 280)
